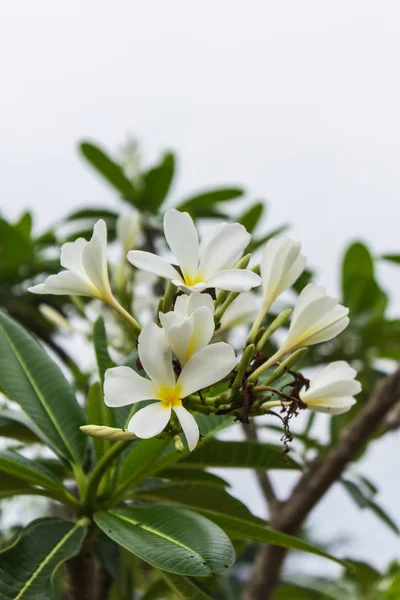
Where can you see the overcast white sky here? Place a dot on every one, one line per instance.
(298, 101)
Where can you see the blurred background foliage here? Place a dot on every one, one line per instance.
(371, 342)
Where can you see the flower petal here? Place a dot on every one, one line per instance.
(65, 283)
(206, 367)
(150, 420)
(243, 309)
(234, 280)
(227, 244)
(179, 337)
(196, 300)
(182, 238)
(189, 426)
(153, 264)
(209, 235)
(94, 259)
(123, 386)
(128, 228)
(308, 294)
(203, 328)
(333, 406)
(155, 355)
(71, 256)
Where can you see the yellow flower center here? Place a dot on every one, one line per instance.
(190, 280)
(170, 396)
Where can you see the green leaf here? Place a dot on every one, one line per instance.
(183, 588)
(209, 498)
(28, 470)
(363, 501)
(192, 476)
(157, 182)
(14, 486)
(251, 455)
(245, 530)
(16, 425)
(256, 243)
(91, 213)
(393, 258)
(209, 198)
(357, 262)
(15, 249)
(103, 359)
(363, 575)
(158, 590)
(27, 566)
(289, 591)
(139, 462)
(30, 378)
(383, 337)
(252, 216)
(109, 169)
(98, 414)
(24, 224)
(169, 538)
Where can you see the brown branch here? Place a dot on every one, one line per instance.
(315, 483)
(250, 431)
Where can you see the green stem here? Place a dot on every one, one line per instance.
(96, 475)
(124, 313)
(269, 363)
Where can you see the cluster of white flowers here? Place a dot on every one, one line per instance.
(180, 357)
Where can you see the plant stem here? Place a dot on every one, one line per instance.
(99, 470)
(124, 313)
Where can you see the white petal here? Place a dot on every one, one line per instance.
(209, 235)
(155, 355)
(64, 283)
(94, 259)
(180, 337)
(294, 272)
(234, 280)
(203, 328)
(334, 406)
(314, 317)
(71, 256)
(170, 319)
(182, 238)
(153, 264)
(189, 426)
(128, 228)
(243, 309)
(123, 386)
(308, 294)
(329, 331)
(206, 367)
(150, 420)
(227, 244)
(279, 255)
(180, 307)
(197, 300)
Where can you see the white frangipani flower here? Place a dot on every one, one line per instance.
(86, 271)
(242, 310)
(316, 318)
(190, 326)
(281, 265)
(128, 228)
(204, 265)
(124, 386)
(332, 389)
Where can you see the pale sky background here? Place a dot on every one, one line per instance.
(298, 101)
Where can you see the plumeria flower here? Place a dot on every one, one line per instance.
(202, 265)
(128, 228)
(332, 389)
(240, 312)
(86, 271)
(316, 318)
(281, 265)
(190, 326)
(124, 386)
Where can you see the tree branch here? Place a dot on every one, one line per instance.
(265, 483)
(311, 486)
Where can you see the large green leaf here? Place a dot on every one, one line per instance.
(157, 182)
(393, 258)
(98, 414)
(14, 486)
(29, 470)
(245, 530)
(252, 455)
(183, 588)
(256, 243)
(198, 202)
(15, 249)
(252, 216)
(169, 538)
(209, 498)
(109, 169)
(138, 463)
(30, 378)
(28, 565)
(91, 213)
(15, 424)
(189, 475)
(103, 358)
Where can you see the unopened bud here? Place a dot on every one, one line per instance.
(107, 433)
(179, 447)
